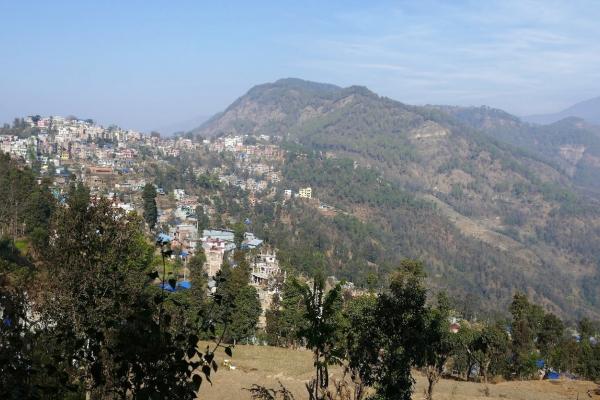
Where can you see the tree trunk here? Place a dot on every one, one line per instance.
(470, 364)
(484, 370)
(433, 375)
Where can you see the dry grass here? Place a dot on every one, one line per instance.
(268, 365)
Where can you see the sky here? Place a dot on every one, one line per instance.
(163, 64)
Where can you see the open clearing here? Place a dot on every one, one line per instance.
(268, 365)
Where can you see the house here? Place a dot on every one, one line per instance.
(265, 276)
(454, 327)
(101, 170)
(265, 268)
(214, 260)
(186, 232)
(179, 194)
(226, 236)
(250, 241)
(305, 193)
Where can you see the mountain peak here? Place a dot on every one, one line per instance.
(297, 84)
(588, 110)
(275, 107)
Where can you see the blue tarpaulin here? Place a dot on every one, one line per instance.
(184, 285)
(553, 375)
(167, 287)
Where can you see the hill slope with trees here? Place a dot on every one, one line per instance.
(506, 217)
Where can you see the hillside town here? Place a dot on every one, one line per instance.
(117, 164)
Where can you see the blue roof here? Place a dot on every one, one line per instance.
(218, 233)
(252, 243)
(230, 246)
(163, 237)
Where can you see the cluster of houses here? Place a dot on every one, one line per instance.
(95, 154)
(266, 275)
(257, 165)
(112, 162)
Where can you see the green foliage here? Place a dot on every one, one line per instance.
(19, 128)
(361, 317)
(98, 319)
(210, 182)
(393, 228)
(285, 318)
(78, 197)
(490, 348)
(438, 342)
(527, 325)
(203, 221)
(321, 333)
(340, 178)
(471, 152)
(98, 259)
(237, 303)
(384, 353)
(245, 317)
(238, 234)
(26, 206)
(150, 209)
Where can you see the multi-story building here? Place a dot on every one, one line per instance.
(305, 193)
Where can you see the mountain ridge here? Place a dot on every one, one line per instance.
(487, 186)
(588, 110)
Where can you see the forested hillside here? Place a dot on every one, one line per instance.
(488, 217)
(572, 144)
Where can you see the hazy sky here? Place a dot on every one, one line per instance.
(150, 64)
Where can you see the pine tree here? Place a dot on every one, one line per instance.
(150, 209)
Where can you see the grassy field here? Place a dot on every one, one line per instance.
(269, 365)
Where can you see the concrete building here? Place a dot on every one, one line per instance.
(305, 193)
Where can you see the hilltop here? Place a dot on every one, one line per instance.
(488, 215)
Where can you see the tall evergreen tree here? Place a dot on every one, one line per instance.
(238, 303)
(150, 209)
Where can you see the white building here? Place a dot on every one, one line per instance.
(305, 193)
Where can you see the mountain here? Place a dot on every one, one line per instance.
(434, 183)
(280, 105)
(572, 144)
(588, 110)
